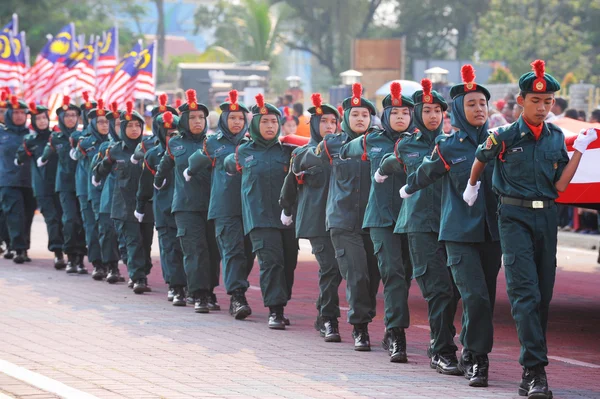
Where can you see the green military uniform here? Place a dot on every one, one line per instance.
(81, 184)
(170, 247)
(138, 236)
(346, 203)
(59, 145)
(526, 169)
(43, 179)
(87, 147)
(306, 190)
(190, 207)
(146, 192)
(420, 218)
(225, 206)
(380, 218)
(264, 165)
(470, 234)
(16, 195)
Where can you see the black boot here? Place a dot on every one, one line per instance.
(480, 372)
(385, 341)
(114, 275)
(238, 306)
(362, 341)
(332, 331)
(201, 302)
(534, 383)
(465, 364)
(179, 296)
(9, 254)
(71, 264)
(80, 265)
(59, 260)
(99, 272)
(19, 258)
(141, 286)
(447, 364)
(213, 304)
(276, 318)
(397, 345)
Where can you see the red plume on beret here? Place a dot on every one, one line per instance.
(539, 69)
(14, 101)
(233, 100)
(162, 102)
(340, 109)
(260, 100)
(427, 97)
(114, 108)
(396, 94)
(129, 110)
(177, 102)
(66, 102)
(3, 95)
(286, 113)
(356, 94)
(468, 77)
(190, 95)
(100, 104)
(168, 120)
(100, 111)
(32, 108)
(317, 102)
(86, 96)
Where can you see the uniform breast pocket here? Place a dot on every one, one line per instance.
(412, 164)
(315, 177)
(122, 174)
(251, 168)
(551, 159)
(514, 163)
(340, 169)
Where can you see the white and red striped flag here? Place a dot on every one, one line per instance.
(108, 55)
(121, 78)
(48, 64)
(142, 86)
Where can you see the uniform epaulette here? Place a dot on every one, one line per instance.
(299, 150)
(554, 128)
(443, 138)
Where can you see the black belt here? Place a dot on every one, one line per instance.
(526, 203)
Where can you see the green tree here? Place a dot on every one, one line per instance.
(502, 75)
(520, 31)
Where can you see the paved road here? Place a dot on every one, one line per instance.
(69, 336)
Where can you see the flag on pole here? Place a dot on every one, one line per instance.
(48, 64)
(142, 85)
(10, 73)
(108, 55)
(85, 71)
(118, 84)
(13, 26)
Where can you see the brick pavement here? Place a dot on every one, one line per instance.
(106, 341)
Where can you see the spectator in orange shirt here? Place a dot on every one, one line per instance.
(303, 126)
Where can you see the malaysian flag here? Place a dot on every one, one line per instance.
(9, 71)
(121, 77)
(142, 84)
(85, 71)
(108, 54)
(48, 63)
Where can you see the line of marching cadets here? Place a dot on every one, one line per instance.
(229, 196)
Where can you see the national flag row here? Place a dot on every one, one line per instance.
(68, 66)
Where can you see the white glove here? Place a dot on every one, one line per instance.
(470, 194)
(95, 183)
(133, 160)
(72, 154)
(138, 216)
(40, 163)
(186, 175)
(379, 178)
(161, 186)
(285, 219)
(16, 161)
(403, 193)
(584, 138)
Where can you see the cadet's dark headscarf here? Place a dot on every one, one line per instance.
(184, 127)
(93, 130)
(63, 127)
(224, 128)
(134, 116)
(45, 133)
(346, 124)
(419, 124)
(385, 122)
(10, 125)
(459, 120)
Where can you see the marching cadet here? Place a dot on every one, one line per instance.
(43, 179)
(138, 236)
(470, 234)
(112, 244)
(289, 123)
(346, 203)
(381, 214)
(307, 190)
(3, 104)
(59, 145)
(16, 195)
(4, 236)
(164, 127)
(531, 168)
(263, 163)
(88, 146)
(190, 204)
(225, 206)
(81, 188)
(420, 218)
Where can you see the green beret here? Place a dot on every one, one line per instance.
(35, 109)
(396, 99)
(357, 100)
(468, 85)
(319, 108)
(232, 104)
(67, 106)
(538, 81)
(192, 104)
(428, 96)
(15, 103)
(263, 108)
